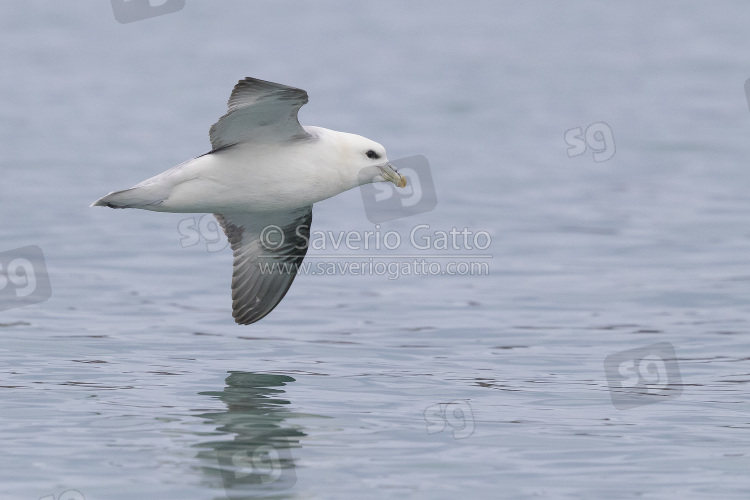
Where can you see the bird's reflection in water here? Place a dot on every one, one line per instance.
(258, 462)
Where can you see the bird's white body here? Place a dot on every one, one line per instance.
(252, 177)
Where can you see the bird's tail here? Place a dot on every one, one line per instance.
(135, 197)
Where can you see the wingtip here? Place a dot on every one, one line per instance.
(246, 317)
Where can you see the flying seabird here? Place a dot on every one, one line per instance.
(260, 180)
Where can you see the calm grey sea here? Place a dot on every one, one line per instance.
(592, 341)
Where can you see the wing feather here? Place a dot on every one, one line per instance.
(260, 111)
(268, 249)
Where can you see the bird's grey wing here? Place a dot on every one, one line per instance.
(260, 111)
(268, 250)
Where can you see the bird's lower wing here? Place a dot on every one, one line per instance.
(268, 249)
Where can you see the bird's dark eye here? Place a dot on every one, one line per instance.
(372, 154)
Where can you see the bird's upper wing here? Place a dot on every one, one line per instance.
(260, 111)
(268, 249)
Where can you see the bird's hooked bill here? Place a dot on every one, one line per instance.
(390, 174)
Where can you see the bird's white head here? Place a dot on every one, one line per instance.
(365, 160)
